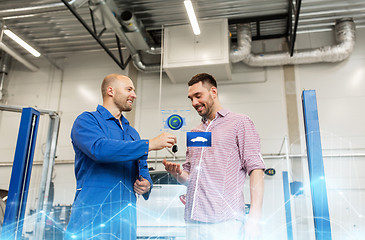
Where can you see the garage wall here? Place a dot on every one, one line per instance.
(257, 92)
(70, 92)
(340, 90)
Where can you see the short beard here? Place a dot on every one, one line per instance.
(128, 109)
(124, 108)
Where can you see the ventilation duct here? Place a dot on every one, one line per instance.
(4, 69)
(30, 11)
(137, 34)
(345, 38)
(129, 21)
(111, 21)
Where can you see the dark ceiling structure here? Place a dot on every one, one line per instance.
(57, 31)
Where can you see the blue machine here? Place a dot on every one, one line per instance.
(20, 176)
(316, 169)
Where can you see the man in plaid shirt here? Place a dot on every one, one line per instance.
(215, 175)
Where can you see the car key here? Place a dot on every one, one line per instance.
(174, 150)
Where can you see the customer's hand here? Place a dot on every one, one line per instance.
(161, 141)
(173, 168)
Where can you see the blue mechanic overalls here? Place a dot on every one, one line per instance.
(108, 160)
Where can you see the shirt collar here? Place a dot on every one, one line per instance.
(108, 116)
(221, 113)
(104, 112)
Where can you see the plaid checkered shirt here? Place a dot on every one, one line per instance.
(218, 173)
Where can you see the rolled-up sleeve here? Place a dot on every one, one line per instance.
(249, 145)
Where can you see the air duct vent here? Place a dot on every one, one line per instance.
(186, 54)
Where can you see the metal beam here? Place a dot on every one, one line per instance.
(12, 108)
(294, 10)
(48, 164)
(257, 19)
(93, 34)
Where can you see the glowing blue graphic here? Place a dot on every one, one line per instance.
(175, 122)
(198, 139)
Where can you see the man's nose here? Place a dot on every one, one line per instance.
(194, 102)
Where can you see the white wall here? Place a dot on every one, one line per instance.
(340, 91)
(257, 92)
(70, 93)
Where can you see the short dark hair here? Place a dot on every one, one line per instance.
(204, 78)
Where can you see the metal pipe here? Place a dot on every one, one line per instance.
(345, 37)
(109, 16)
(132, 24)
(19, 109)
(153, 50)
(4, 68)
(18, 57)
(129, 21)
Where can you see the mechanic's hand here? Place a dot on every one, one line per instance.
(173, 168)
(141, 186)
(161, 141)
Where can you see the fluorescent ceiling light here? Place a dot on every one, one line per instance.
(22, 43)
(192, 17)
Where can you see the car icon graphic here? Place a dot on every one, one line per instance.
(199, 139)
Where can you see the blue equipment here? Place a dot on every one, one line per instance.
(316, 169)
(20, 176)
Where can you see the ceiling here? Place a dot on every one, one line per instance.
(52, 29)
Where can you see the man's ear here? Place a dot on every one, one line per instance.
(214, 91)
(110, 91)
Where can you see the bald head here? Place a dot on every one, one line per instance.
(118, 93)
(111, 81)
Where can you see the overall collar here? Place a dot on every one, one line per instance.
(108, 116)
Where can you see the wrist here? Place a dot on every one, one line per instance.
(150, 145)
(176, 175)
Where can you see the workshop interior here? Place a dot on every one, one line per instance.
(296, 68)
